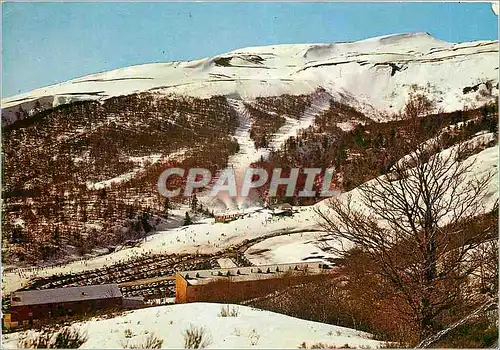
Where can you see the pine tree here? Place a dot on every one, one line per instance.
(102, 193)
(145, 221)
(166, 207)
(15, 235)
(194, 203)
(56, 237)
(84, 213)
(187, 220)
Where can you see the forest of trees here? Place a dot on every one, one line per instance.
(49, 158)
(370, 148)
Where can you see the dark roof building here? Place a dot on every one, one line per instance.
(28, 307)
(65, 295)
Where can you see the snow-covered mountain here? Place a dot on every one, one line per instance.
(376, 75)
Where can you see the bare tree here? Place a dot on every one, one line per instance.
(412, 224)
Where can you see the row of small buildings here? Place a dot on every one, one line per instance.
(236, 284)
(282, 209)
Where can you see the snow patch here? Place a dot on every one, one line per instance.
(251, 328)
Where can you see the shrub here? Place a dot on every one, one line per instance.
(196, 338)
(325, 346)
(228, 311)
(34, 340)
(152, 341)
(70, 338)
(65, 338)
(254, 337)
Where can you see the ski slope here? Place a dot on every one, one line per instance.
(375, 75)
(249, 154)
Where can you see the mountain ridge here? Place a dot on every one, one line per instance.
(378, 72)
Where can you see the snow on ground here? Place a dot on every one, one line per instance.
(483, 163)
(313, 245)
(239, 161)
(480, 139)
(290, 248)
(247, 153)
(142, 162)
(115, 180)
(226, 263)
(252, 328)
(348, 126)
(378, 72)
(205, 237)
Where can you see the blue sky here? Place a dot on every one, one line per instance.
(45, 43)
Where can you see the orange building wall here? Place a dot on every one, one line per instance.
(180, 289)
(224, 290)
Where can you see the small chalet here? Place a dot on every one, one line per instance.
(33, 306)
